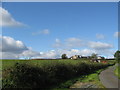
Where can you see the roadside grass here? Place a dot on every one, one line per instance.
(93, 78)
(117, 71)
(90, 78)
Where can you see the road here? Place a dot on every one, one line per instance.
(108, 78)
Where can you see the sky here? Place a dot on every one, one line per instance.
(49, 29)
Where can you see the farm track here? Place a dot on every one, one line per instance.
(108, 78)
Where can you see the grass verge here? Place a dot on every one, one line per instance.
(90, 78)
(117, 71)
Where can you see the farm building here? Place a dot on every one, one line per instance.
(75, 57)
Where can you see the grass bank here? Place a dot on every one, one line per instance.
(117, 71)
(92, 78)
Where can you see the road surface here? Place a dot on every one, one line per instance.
(108, 78)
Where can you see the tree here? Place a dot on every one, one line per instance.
(103, 58)
(94, 56)
(117, 55)
(64, 56)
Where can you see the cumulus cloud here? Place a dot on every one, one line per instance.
(30, 53)
(78, 43)
(100, 36)
(83, 52)
(117, 34)
(90, 47)
(11, 45)
(69, 43)
(99, 48)
(99, 45)
(13, 49)
(73, 42)
(70, 52)
(8, 55)
(57, 53)
(52, 54)
(44, 32)
(25, 54)
(6, 19)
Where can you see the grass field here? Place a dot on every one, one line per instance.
(39, 63)
(117, 71)
(47, 73)
(10, 63)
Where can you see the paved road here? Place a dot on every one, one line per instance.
(108, 78)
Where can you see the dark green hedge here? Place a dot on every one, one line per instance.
(27, 76)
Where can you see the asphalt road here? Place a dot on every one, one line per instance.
(108, 78)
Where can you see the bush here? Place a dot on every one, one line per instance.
(47, 76)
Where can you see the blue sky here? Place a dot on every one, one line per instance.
(52, 26)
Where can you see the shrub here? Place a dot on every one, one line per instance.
(28, 76)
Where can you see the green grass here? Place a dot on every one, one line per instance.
(51, 73)
(117, 71)
(94, 78)
(90, 78)
(10, 63)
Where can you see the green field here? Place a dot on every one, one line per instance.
(10, 63)
(117, 71)
(46, 73)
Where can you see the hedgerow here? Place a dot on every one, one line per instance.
(24, 75)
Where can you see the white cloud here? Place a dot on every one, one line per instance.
(50, 54)
(105, 52)
(6, 20)
(100, 36)
(44, 32)
(30, 53)
(109, 57)
(11, 45)
(87, 52)
(83, 52)
(78, 43)
(117, 34)
(99, 45)
(69, 43)
(57, 53)
(67, 46)
(99, 48)
(12, 49)
(24, 54)
(73, 42)
(58, 43)
(9, 55)
(70, 52)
